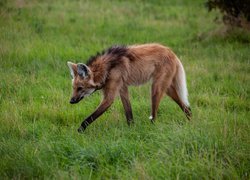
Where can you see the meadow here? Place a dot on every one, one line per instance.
(38, 126)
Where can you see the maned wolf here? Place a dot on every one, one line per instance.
(116, 68)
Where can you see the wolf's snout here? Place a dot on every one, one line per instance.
(73, 100)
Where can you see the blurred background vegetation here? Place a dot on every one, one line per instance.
(235, 13)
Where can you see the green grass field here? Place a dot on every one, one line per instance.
(38, 126)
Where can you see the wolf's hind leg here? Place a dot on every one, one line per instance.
(173, 94)
(156, 96)
(159, 87)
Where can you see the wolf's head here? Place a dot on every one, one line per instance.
(82, 81)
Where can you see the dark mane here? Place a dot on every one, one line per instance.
(117, 51)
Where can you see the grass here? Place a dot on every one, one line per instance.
(38, 132)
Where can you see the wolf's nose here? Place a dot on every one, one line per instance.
(72, 101)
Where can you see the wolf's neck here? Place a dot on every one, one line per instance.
(100, 71)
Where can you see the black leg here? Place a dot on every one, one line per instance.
(105, 104)
(126, 104)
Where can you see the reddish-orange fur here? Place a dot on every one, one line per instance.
(114, 71)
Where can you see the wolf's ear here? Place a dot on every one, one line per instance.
(72, 68)
(83, 70)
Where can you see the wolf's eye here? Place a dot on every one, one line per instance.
(79, 88)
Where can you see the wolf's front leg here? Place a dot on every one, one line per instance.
(105, 104)
(126, 104)
(109, 92)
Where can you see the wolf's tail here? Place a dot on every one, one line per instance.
(180, 84)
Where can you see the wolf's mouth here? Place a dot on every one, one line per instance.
(80, 98)
(74, 101)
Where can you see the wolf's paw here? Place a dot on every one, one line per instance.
(151, 119)
(81, 129)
